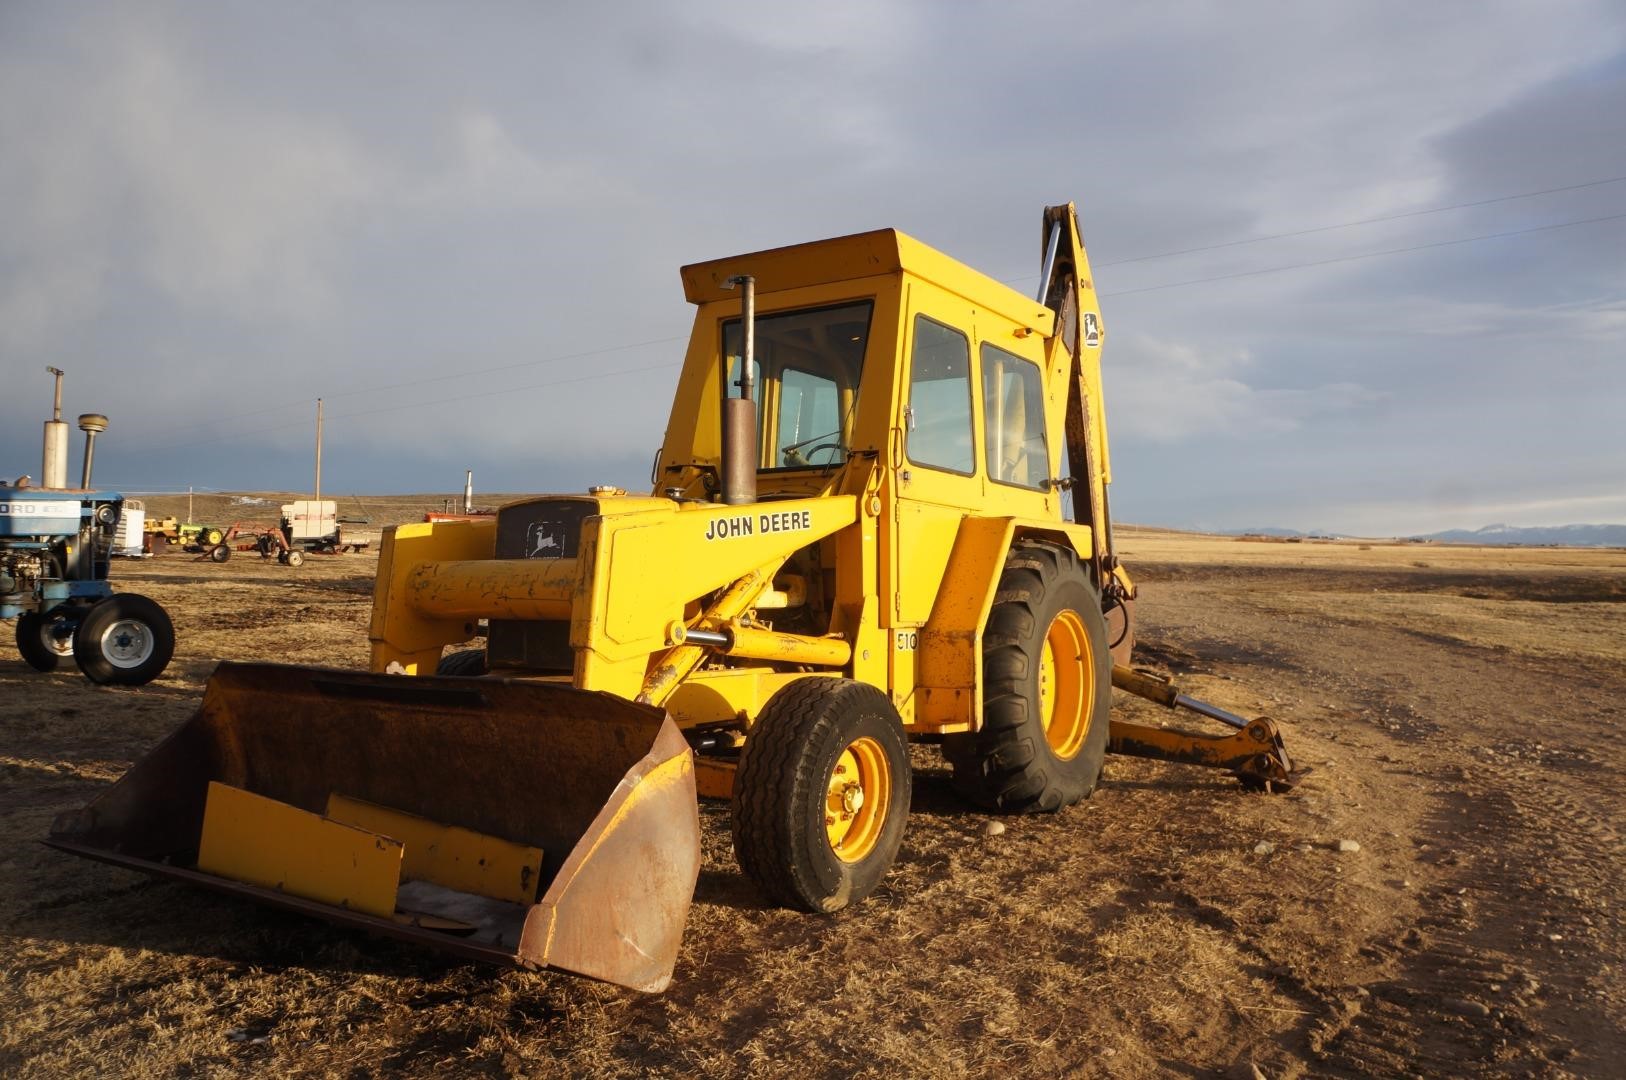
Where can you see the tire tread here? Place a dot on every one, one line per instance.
(777, 769)
(1001, 767)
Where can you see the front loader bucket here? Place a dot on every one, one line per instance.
(503, 820)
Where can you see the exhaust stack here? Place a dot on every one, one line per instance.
(740, 413)
(468, 491)
(54, 467)
(92, 424)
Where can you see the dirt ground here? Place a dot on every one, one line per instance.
(1461, 710)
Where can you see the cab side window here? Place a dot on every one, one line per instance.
(1013, 411)
(939, 418)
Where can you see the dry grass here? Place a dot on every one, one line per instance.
(1137, 935)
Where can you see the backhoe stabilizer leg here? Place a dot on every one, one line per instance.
(1254, 752)
(1254, 755)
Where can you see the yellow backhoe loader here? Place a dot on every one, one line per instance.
(879, 515)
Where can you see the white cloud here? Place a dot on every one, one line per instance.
(231, 207)
(489, 170)
(143, 169)
(57, 291)
(240, 208)
(1169, 392)
(218, 212)
(1456, 508)
(1595, 321)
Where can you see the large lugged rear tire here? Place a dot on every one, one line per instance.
(464, 663)
(125, 640)
(38, 642)
(821, 797)
(1046, 689)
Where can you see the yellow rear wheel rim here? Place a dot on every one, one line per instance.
(1066, 685)
(856, 799)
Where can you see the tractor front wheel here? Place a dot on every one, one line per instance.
(1046, 689)
(821, 797)
(125, 640)
(38, 640)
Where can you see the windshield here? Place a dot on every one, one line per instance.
(805, 382)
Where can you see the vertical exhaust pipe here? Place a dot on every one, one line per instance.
(740, 413)
(92, 424)
(54, 466)
(468, 491)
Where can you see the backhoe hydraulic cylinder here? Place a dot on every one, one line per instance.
(1163, 692)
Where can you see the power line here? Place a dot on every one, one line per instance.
(1364, 221)
(665, 365)
(1114, 262)
(1367, 255)
(1125, 292)
(509, 367)
(443, 378)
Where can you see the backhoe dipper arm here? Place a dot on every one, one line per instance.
(1073, 355)
(1068, 289)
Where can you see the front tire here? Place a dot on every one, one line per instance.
(125, 640)
(821, 797)
(1046, 686)
(38, 642)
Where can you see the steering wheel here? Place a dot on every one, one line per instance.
(795, 455)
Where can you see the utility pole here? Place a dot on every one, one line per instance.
(318, 449)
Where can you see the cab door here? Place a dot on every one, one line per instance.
(938, 461)
(1020, 454)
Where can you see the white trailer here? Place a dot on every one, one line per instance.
(130, 538)
(314, 525)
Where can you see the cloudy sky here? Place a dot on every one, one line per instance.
(1363, 264)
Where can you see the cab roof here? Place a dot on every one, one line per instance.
(861, 255)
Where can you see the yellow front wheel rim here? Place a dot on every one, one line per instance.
(856, 799)
(1066, 685)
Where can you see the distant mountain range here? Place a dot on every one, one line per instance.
(1560, 535)
(1532, 536)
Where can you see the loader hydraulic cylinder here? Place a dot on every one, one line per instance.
(757, 644)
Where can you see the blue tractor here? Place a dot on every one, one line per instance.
(55, 547)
